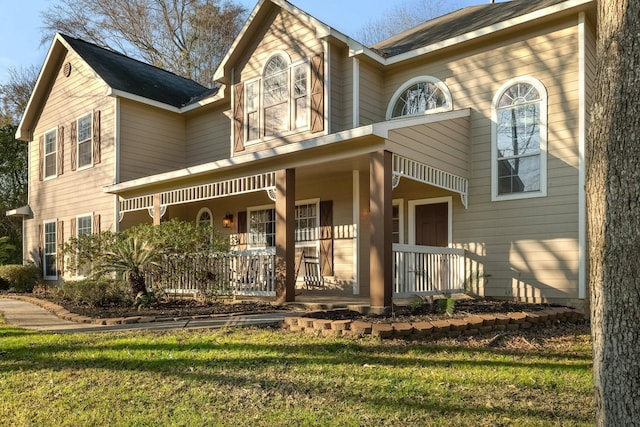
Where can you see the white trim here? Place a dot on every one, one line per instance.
(44, 153)
(400, 204)
(180, 110)
(380, 130)
(420, 79)
(116, 163)
(582, 208)
(412, 216)
(543, 126)
(44, 245)
(203, 210)
(90, 141)
(356, 92)
(488, 30)
(355, 176)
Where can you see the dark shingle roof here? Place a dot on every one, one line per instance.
(138, 78)
(458, 23)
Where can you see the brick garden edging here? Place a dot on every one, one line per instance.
(472, 325)
(65, 314)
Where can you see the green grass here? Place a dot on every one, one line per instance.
(254, 377)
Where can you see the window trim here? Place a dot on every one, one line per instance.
(307, 243)
(44, 249)
(201, 211)
(543, 126)
(89, 141)
(420, 79)
(400, 204)
(77, 234)
(291, 99)
(46, 177)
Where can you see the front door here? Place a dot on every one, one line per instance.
(432, 224)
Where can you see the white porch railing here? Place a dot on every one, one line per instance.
(427, 270)
(236, 273)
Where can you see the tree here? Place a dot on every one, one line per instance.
(613, 202)
(186, 37)
(401, 17)
(15, 94)
(13, 188)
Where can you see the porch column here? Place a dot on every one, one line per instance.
(380, 213)
(285, 240)
(157, 215)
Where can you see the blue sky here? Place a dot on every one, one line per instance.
(20, 29)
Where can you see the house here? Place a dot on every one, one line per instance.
(450, 156)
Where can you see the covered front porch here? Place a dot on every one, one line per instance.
(343, 214)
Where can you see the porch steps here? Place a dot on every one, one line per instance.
(472, 325)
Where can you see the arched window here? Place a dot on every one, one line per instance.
(276, 95)
(204, 217)
(420, 95)
(519, 140)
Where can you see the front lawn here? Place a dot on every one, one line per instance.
(260, 377)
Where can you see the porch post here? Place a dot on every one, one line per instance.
(157, 215)
(285, 240)
(380, 213)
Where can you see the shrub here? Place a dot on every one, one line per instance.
(180, 237)
(19, 278)
(94, 293)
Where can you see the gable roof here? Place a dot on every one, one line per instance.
(468, 23)
(137, 78)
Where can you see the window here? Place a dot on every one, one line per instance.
(204, 217)
(50, 251)
(519, 140)
(262, 225)
(397, 221)
(84, 226)
(85, 147)
(50, 154)
(420, 95)
(278, 102)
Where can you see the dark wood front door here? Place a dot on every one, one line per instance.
(432, 224)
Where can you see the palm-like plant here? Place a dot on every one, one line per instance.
(131, 258)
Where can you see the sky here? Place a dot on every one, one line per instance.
(20, 31)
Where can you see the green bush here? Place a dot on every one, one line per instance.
(94, 293)
(19, 278)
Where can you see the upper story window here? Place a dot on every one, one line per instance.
(85, 145)
(50, 154)
(286, 97)
(420, 95)
(277, 102)
(519, 140)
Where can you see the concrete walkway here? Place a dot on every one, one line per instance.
(29, 316)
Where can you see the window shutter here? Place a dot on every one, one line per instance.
(72, 233)
(60, 150)
(59, 243)
(242, 228)
(40, 157)
(317, 93)
(326, 237)
(74, 144)
(96, 137)
(96, 224)
(238, 117)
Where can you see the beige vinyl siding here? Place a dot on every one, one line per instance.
(371, 106)
(208, 137)
(73, 192)
(151, 140)
(443, 145)
(283, 33)
(341, 95)
(528, 246)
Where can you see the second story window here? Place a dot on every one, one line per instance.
(50, 154)
(278, 101)
(420, 95)
(85, 147)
